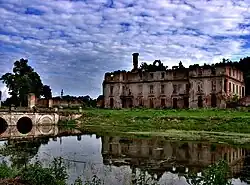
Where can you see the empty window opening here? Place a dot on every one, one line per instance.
(111, 90)
(200, 102)
(162, 89)
(186, 102)
(151, 75)
(187, 88)
(213, 100)
(162, 75)
(163, 102)
(151, 89)
(213, 71)
(111, 102)
(174, 88)
(243, 91)
(140, 102)
(151, 103)
(225, 85)
(175, 103)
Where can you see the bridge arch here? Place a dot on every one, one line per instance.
(3, 125)
(24, 125)
(45, 125)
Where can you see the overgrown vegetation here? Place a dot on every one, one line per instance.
(55, 174)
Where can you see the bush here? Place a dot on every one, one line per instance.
(36, 175)
(7, 172)
(215, 174)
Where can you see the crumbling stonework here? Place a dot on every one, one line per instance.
(173, 88)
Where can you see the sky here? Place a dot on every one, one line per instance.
(72, 43)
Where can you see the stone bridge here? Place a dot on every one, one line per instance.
(25, 124)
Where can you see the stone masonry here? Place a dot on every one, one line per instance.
(194, 87)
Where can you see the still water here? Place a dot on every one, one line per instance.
(115, 159)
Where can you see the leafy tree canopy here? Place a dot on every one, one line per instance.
(47, 92)
(22, 81)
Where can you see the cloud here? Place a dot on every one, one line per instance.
(71, 44)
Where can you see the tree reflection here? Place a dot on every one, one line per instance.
(21, 152)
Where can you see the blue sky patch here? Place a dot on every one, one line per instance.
(33, 11)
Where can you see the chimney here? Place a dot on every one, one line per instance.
(135, 60)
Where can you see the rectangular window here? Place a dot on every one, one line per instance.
(111, 90)
(151, 89)
(140, 89)
(162, 75)
(187, 88)
(175, 88)
(140, 102)
(140, 74)
(162, 89)
(199, 71)
(152, 75)
(230, 72)
(243, 91)
(233, 88)
(230, 87)
(163, 102)
(213, 71)
(213, 85)
(225, 85)
(233, 72)
(240, 90)
(236, 89)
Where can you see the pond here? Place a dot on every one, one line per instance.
(118, 159)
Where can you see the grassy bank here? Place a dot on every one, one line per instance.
(205, 124)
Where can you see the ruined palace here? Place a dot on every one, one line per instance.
(179, 87)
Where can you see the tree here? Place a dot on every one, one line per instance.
(181, 65)
(156, 66)
(21, 82)
(47, 92)
(21, 152)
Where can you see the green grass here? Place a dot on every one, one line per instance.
(205, 124)
(161, 120)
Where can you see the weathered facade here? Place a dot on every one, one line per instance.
(201, 86)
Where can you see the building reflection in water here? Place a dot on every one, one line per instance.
(160, 155)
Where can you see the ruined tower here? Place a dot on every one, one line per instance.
(135, 61)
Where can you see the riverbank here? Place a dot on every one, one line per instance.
(231, 126)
